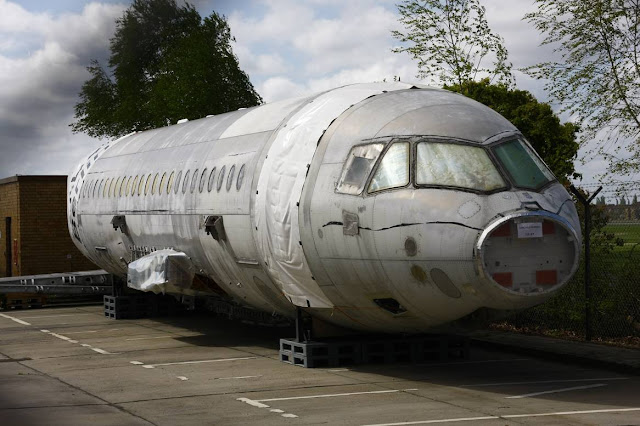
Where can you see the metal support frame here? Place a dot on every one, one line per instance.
(88, 282)
(586, 202)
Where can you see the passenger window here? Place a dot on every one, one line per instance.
(121, 186)
(194, 181)
(176, 187)
(240, 178)
(185, 183)
(128, 187)
(357, 168)
(99, 187)
(161, 185)
(461, 166)
(115, 188)
(212, 179)
(147, 184)
(221, 178)
(140, 185)
(134, 186)
(232, 173)
(155, 184)
(170, 182)
(105, 189)
(203, 180)
(393, 171)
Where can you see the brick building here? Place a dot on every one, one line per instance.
(34, 238)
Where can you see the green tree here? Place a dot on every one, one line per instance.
(597, 78)
(451, 40)
(555, 142)
(166, 63)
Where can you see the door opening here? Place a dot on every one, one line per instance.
(8, 246)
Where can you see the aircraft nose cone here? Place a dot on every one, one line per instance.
(529, 252)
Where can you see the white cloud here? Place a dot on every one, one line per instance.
(39, 84)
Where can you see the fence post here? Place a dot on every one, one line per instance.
(586, 202)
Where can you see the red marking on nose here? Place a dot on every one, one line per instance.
(548, 227)
(548, 277)
(505, 279)
(502, 231)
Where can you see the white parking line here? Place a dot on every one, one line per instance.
(253, 403)
(238, 377)
(333, 395)
(508, 416)
(198, 362)
(81, 332)
(19, 321)
(85, 345)
(557, 391)
(183, 378)
(54, 316)
(487, 361)
(289, 415)
(544, 381)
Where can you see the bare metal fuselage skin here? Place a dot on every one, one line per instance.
(403, 259)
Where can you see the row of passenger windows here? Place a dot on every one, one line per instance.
(164, 183)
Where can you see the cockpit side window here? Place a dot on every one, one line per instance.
(523, 165)
(393, 171)
(357, 168)
(455, 165)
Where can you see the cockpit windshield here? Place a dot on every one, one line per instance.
(522, 164)
(462, 166)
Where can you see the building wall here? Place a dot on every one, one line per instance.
(44, 244)
(9, 207)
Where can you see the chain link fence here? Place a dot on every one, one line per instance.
(614, 283)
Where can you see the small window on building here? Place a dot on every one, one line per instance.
(203, 180)
(232, 173)
(170, 182)
(185, 183)
(240, 178)
(194, 181)
(393, 171)
(176, 186)
(212, 179)
(357, 168)
(223, 170)
(154, 186)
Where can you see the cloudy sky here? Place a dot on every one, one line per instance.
(288, 48)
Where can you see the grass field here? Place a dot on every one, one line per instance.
(628, 232)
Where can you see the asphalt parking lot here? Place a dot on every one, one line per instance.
(73, 366)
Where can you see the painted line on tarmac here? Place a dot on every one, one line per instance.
(334, 395)
(54, 316)
(538, 382)
(527, 395)
(18, 320)
(84, 345)
(259, 404)
(149, 338)
(238, 377)
(183, 378)
(508, 416)
(198, 362)
(487, 361)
